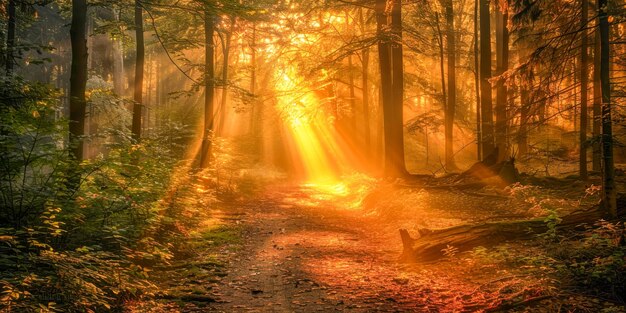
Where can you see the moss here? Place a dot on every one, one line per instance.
(222, 235)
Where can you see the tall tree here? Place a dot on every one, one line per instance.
(477, 85)
(384, 62)
(78, 77)
(584, 85)
(226, 47)
(393, 110)
(597, 102)
(118, 58)
(209, 86)
(609, 192)
(502, 65)
(139, 71)
(451, 103)
(486, 108)
(365, 63)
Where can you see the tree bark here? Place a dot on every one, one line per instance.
(397, 110)
(485, 76)
(451, 103)
(609, 192)
(432, 244)
(78, 77)
(502, 52)
(584, 85)
(139, 72)
(209, 88)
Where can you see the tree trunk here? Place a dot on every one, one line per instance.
(442, 63)
(609, 193)
(365, 59)
(396, 125)
(384, 61)
(522, 135)
(253, 110)
(366, 100)
(78, 77)
(226, 51)
(139, 71)
(351, 85)
(597, 103)
(479, 135)
(433, 244)
(584, 85)
(209, 86)
(486, 108)
(451, 103)
(10, 61)
(502, 52)
(352, 95)
(118, 62)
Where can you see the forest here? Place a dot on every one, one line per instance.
(312, 156)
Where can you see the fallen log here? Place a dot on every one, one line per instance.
(432, 244)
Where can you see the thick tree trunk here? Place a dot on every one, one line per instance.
(78, 77)
(139, 71)
(584, 85)
(451, 103)
(209, 88)
(502, 52)
(609, 193)
(485, 76)
(10, 61)
(397, 110)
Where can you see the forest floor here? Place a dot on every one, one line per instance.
(294, 248)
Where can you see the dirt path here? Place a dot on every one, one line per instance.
(303, 253)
